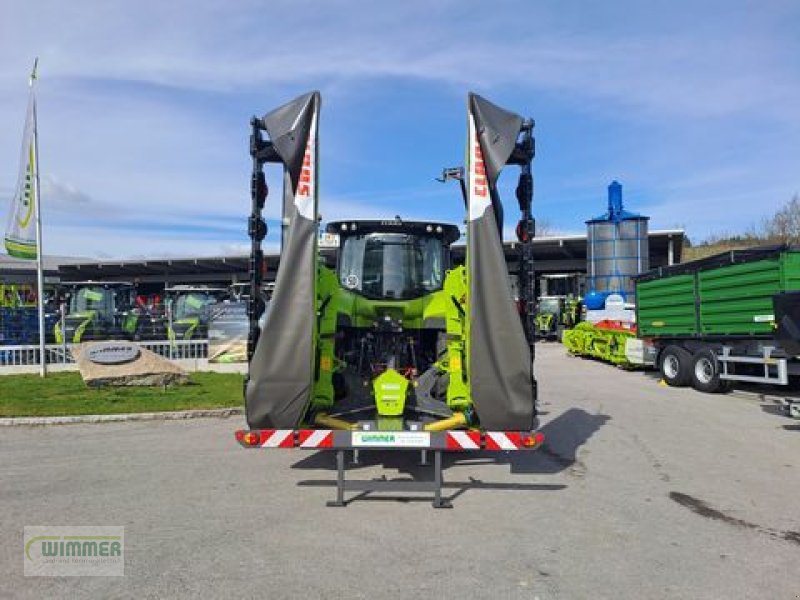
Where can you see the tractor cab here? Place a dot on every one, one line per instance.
(393, 260)
(97, 310)
(189, 310)
(549, 312)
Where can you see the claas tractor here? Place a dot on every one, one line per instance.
(188, 308)
(394, 337)
(549, 312)
(97, 311)
(383, 329)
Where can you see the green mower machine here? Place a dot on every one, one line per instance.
(394, 337)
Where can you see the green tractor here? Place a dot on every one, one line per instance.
(549, 314)
(98, 311)
(188, 310)
(383, 323)
(555, 315)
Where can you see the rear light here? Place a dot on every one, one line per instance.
(251, 438)
(533, 440)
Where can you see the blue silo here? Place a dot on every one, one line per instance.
(617, 250)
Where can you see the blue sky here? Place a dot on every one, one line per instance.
(144, 108)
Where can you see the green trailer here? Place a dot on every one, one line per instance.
(729, 317)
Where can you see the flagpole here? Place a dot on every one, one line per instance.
(39, 250)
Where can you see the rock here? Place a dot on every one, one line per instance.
(147, 369)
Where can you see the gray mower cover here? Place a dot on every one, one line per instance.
(500, 366)
(282, 367)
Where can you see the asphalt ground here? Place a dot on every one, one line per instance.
(641, 491)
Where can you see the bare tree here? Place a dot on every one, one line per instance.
(784, 225)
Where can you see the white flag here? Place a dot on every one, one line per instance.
(20, 236)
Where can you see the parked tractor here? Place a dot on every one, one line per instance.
(188, 310)
(98, 311)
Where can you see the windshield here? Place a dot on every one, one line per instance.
(392, 265)
(90, 298)
(549, 305)
(192, 305)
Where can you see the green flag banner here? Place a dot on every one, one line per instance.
(20, 238)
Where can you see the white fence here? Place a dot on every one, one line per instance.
(61, 354)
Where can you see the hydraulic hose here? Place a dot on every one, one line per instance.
(333, 422)
(457, 420)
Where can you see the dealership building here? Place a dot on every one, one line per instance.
(561, 265)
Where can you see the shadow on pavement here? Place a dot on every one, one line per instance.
(774, 408)
(563, 436)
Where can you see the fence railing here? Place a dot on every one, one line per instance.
(61, 354)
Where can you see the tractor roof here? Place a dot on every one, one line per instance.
(200, 289)
(447, 232)
(106, 284)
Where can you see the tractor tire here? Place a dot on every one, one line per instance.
(675, 365)
(704, 373)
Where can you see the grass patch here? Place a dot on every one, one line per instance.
(65, 394)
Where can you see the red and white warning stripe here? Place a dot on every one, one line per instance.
(315, 438)
(463, 440)
(277, 438)
(500, 440)
(453, 440)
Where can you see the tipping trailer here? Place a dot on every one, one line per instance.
(730, 317)
(394, 348)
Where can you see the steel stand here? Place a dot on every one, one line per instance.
(383, 485)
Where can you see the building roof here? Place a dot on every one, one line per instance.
(557, 253)
(19, 270)
(51, 263)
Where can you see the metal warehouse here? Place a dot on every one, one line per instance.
(561, 264)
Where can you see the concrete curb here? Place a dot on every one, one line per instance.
(153, 416)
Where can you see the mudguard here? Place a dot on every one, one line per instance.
(282, 367)
(500, 364)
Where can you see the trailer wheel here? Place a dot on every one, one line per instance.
(675, 365)
(705, 373)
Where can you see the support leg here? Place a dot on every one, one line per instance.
(438, 501)
(339, 502)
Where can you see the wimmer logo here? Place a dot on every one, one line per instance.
(378, 438)
(51, 551)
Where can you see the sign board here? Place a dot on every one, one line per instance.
(112, 353)
(378, 439)
(228, 325)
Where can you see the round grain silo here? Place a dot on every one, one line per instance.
(617, 248)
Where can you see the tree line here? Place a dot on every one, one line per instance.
(782, 227)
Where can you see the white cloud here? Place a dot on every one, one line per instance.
(734, 65)
(143, 107)
(62, 194)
